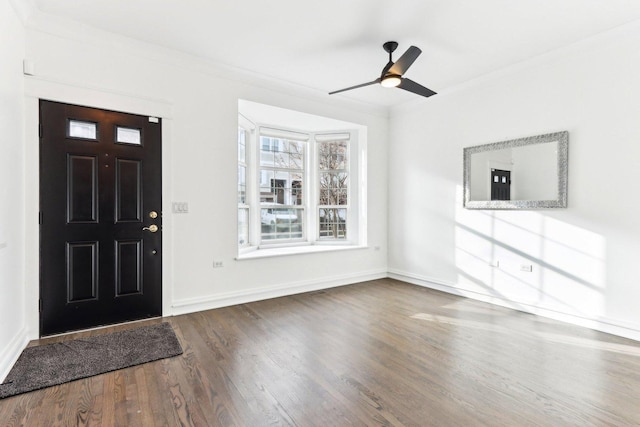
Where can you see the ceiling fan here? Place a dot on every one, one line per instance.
(391, 75)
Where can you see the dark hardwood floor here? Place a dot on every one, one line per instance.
(380, 353)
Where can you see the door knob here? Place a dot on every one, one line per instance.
(152, 228)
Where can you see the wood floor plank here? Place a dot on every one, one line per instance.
(379, 353)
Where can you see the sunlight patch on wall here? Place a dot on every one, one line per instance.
(531, 258)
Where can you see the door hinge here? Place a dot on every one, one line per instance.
(40, 218)
(40, 130)
(40, 305)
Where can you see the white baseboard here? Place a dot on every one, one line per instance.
(610, 326)
(11, 352)
(191, 305)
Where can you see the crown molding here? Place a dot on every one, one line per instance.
(594, 42)
(64, 28)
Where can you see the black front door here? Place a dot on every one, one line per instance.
(500, 184)
(100, 217)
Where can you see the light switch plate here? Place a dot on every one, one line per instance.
(180, 207)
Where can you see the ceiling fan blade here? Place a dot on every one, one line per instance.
(411, 86)
(355, 87)
(405, 61)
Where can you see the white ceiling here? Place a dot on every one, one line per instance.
(332, 44)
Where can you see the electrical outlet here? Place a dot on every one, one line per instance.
(218, 264)
(526, 267)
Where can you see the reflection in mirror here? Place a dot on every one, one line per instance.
(523, 173)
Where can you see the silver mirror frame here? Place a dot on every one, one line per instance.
(563, 159)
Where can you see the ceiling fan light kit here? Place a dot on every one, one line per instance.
(391, 81)
(391, 75)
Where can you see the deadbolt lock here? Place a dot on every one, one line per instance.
(153, 214)
(152, 228)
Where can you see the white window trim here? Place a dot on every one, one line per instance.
(249, 129)
(356, 219)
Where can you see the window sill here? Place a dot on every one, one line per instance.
(293, 250)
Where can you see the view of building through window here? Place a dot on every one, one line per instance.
(282, 207)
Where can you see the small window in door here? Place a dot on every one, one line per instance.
(129, 136)
(82, 129)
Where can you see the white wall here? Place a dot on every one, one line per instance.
(584, 257)
(12, 318)
(199, 104)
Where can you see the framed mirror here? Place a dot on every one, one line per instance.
(525, 173)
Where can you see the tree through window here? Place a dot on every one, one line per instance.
(334, 189)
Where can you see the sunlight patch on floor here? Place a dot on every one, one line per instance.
(587, 343)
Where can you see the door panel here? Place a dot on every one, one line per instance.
(128, 182)
(82, 271)
(129, 267)
(500, 184)
(82, 188)
(100, 177)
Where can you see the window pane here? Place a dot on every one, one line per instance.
(128, 136)
(266, 158)
(333, 188)
(265, 143)
(324, 197)
(281, 160)
(85, 130)
(243, 226)
(296, 155)
(296, 189)
(341, 196)
(281, 223)
(333, 155)
(242, 184)
(333, 223)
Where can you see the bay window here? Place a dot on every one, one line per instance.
(296, 188)
(299, 188)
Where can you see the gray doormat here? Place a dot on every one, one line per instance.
(53, 364)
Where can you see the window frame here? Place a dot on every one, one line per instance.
(246, 206)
